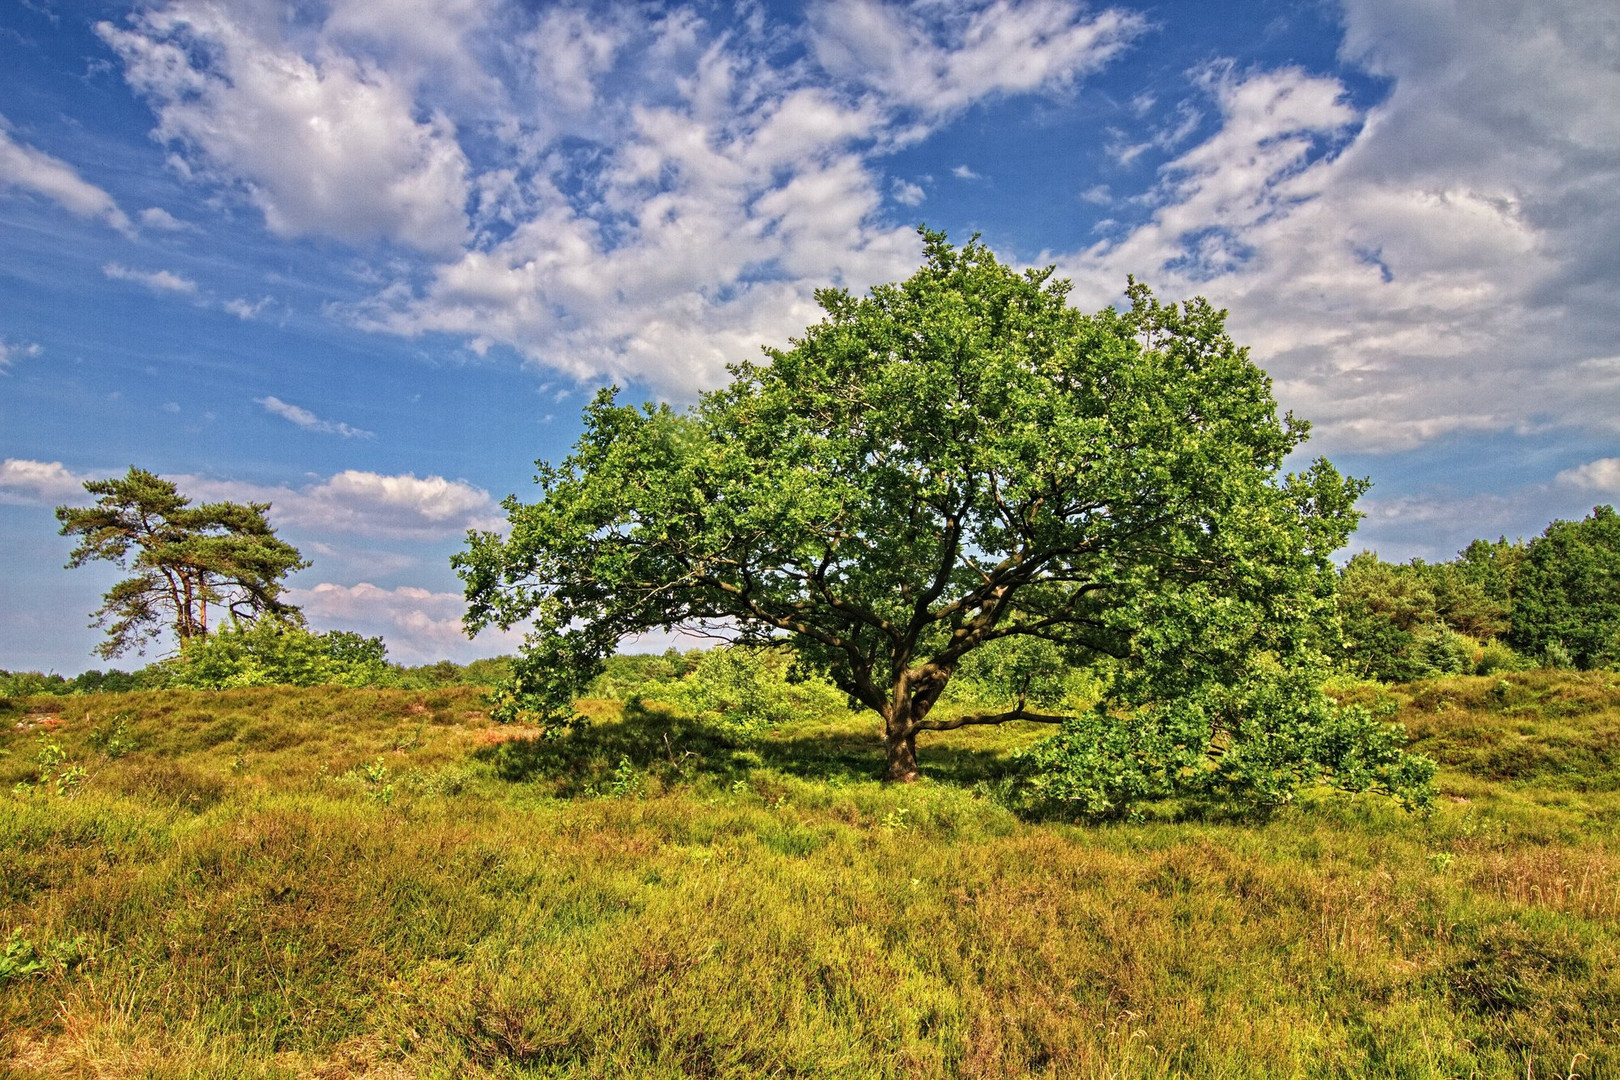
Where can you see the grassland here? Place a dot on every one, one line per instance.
(337, 883)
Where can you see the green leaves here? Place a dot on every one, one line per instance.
(275, 653)
(183, 559)
(1567, 592)
(954, 463)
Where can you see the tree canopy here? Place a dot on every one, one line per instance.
(955, 463)
(183, 560)
(1567, 594)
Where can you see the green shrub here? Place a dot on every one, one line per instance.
(1256, 743)
(1437, 649)
(29, 683)
(270, 653)
(1001, 673)
(1495, 656)
(742, 691)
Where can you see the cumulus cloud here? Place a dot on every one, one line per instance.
(654, 196)
(1602, 475)
(161, 281)
(326, 144)
(1440, 263)
(35, 171)
(907, 194)
(46, 483)
(354, 501)
(419, 626)
(307, 420)
(660, 196)
(976, 50)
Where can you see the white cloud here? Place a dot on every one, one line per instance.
(1602, 475)
(39, 482)
(35, 171)
(244, 310)
(419, 626)
(658, 197)
(1434, 265)
(424, 41)
(156, 280)
(356, 502)
(327, 144)
(973, 51)
(155, 217)
(10, 352)
(906, 193)
(403, 507)
(962, 172)
(1437, 524)
(308, 420)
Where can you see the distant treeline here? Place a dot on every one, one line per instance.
(267, 653)
(271, 654)
(1499, 605)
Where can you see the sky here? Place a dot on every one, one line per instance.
(366, 260)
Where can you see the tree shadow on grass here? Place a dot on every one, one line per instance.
(653, 740)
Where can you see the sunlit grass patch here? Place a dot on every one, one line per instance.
(346, 883)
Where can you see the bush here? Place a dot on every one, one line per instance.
(742, 690)
(1437, 649)
(630, 675)
(1256, 743)
(1497, 656)
(1027, 669)
(485, 672)
(29, 683)
(270, 653)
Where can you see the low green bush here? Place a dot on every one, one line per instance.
(743, 691)
(271, 653)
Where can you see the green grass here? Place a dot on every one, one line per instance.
(337, 883)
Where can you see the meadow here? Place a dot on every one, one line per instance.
(329, 882)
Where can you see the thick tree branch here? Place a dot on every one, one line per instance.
(977, 719)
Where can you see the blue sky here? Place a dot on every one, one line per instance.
(366, 260)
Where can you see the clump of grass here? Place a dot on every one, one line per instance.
(332, 882)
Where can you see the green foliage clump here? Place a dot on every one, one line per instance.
(54, 768)
(743, 691)
(944, 464)
(627, 675)
(183, 560)
(1567, 601)
(272, 653)
(1029, 670)
(1420, 620)
(1257, 743)
(1498, 606)
(489, 672)
(18, 684)
(21, 958)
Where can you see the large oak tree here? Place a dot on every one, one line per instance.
(951, 463)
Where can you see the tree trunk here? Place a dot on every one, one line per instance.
(901, 747)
